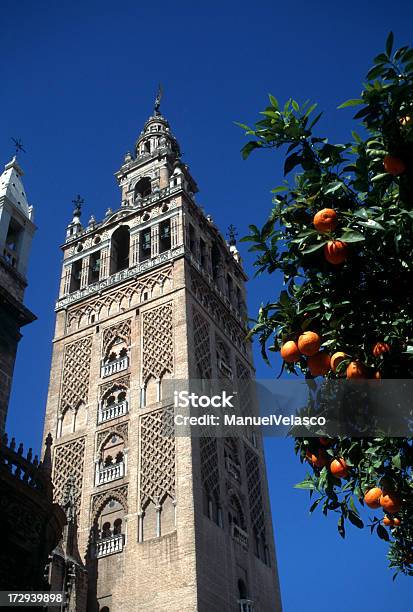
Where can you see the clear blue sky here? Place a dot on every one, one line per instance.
(77, 83)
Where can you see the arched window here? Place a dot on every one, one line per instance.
(117, 526)
(120, 249)
(242, 589)
(143, 187)
(215, 261)
(106, 532)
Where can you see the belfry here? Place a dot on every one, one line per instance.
(151, 293)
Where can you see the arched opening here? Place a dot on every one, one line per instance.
(165, 236)
(143, 188)
(120, 249)
(215, 261)
(242, 589)
(109, 529)
(76, 275)
(111, 464)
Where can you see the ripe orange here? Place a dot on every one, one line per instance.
(335, 252)
(380, 348)
(355, 369)
(338, 467)
(372, 497)
(289, 351)
(309, 343)
(325, 220)
(390, 503)
(388, 521)
(319, 460)
(394, 165)
(319, 364)
(336, 359)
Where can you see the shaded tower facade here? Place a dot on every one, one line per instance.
(16, 232)
(154, 293)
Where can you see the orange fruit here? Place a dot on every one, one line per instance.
(380, 348)
(338, 467)
(372, 497)
(390, 503)
(325, 220)
(355, 369)
(319, 460)
(388, 521)
(394, 165)
(335, 252)
(336, 359)
(289, 351)
(309, 343)
(319, 364)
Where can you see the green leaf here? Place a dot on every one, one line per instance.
(371, 224)
(313, 248)
(305, 484)
(383, 533)
(376, 71)
(352, 102)
(291, 162)
(274, 101)
(333, 187)
(396, 461)
(249, 147)
(352, 236)
(389, 43)
(355, 519)
(340, 527)
(295, 106)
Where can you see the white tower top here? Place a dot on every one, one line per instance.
(11, 186)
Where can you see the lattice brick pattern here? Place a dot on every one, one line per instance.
(252, 466)
(123, 297)
(157, 345)
(68, 461)
(202, 345)
(244, 388)
(157, 456)
(76, 369)
(209, 464)
(120, 330)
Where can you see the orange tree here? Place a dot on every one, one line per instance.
(340, 233)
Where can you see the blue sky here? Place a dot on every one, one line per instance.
(78, 82)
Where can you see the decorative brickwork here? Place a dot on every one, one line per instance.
(68, 462)
(123, 381)
(76, 370)
(157, 457)
(121, 430)
(202, 345)
(100, 500)
(252, 466)
(121, 331)
(157, 346)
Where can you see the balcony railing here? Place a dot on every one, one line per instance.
(109, 546)
(114, 366)
(112, 412)
(233, 468)
(110, 472)
(246, 605)
(240, 536)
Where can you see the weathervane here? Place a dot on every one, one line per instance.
(18, 145)
(78, 201)
(232, 235)
(158, 99)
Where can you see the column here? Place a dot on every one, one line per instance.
(158, 509)
(84, 274)
(155, 240)
(104, 263)
(174, 231)
(163, 177)
(66, 276)
(134, 249)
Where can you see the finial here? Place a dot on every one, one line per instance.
(158, 99)
(232, 235)
(18, 146)
(47, 457)
(78, 201)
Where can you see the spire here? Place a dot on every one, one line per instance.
(75, 226)
(11, 187)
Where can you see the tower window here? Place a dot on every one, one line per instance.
(143, 187)
(12, 245)
(192, 239)
(165, 236)
(202, 249)
(145, 244)
(76, 275)
(94, 267)
(120, 249)
(215, 261)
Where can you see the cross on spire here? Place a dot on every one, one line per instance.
(18, 146)
(232, 235)
(78, 201)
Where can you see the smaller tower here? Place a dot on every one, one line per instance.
(16, 233)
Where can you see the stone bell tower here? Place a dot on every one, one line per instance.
(16, 233)
(152, 293)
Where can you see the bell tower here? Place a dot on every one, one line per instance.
(152, 293)
(16, 233)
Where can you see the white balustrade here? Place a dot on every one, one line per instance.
(112, 412)
(110, 472)
(246, 605)
(109, 546)
(113, 367)
(240, 535)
